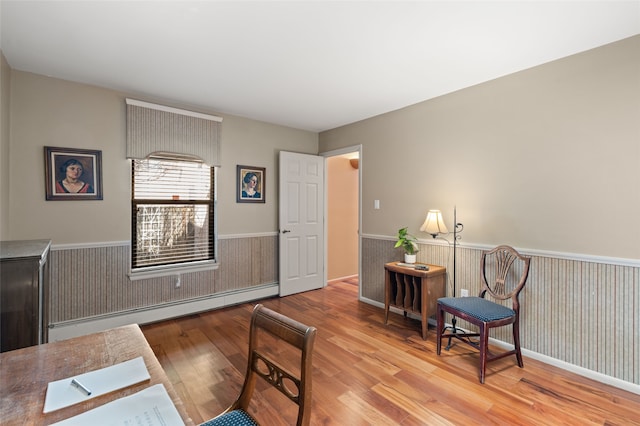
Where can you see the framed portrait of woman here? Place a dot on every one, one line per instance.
(72, 174)
(250, 184)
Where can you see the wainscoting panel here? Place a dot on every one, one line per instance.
(375, 253)
(581, 312)
(93, 282)
(247, 262)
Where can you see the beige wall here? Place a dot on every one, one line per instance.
(342, 218)
(5, 101)
(89, 286)
(52, 112)
(547, 158)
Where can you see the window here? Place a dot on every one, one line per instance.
(173, 195)
(173, 211)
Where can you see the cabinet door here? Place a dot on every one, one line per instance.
(19, 304)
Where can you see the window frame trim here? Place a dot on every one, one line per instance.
(169, 270)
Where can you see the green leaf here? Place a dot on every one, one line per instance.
(407, 241)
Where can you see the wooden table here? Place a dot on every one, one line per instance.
(412, 290)
(25, 373)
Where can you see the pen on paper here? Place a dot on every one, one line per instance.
(82, 388)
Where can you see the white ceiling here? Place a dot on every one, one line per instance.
(312, 65)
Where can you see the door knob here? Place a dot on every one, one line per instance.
(284, 231)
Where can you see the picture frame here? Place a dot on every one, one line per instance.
(72, 174)
(250, 186)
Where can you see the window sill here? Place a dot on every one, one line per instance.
(164, 271)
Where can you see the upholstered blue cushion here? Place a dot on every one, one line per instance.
(478, 307)
(232, 418)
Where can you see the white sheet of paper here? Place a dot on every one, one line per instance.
(62, 394)
(149, 407)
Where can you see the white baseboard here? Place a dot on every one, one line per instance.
(590, 374)
(585, 372)
(348, 277)
(68, 329)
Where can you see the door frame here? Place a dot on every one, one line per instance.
(334, 153)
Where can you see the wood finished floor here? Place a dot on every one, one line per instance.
(366, 373)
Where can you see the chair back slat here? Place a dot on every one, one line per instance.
(277, 376)
(282, 327)
(504, 273)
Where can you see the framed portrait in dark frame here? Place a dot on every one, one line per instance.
(72, 174)
(250, 187)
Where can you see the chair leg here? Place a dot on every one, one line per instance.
(484, 348)
(439, 328)
(516, 343)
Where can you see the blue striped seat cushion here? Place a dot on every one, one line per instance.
(232, 418)
(478, 307)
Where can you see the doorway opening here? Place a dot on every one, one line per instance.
(343, 204)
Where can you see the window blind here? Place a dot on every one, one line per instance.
(172, 212)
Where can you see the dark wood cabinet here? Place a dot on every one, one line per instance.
(23, 293)
(413, 290)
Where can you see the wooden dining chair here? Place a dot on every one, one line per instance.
(296, 386)
(504, 273)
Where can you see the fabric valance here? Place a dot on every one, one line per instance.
(155, 128)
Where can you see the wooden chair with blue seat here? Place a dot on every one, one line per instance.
(294, 383)
(507, 271)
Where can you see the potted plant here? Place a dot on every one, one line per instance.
(409, 244)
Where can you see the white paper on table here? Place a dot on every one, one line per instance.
(62, 394)
(149, 407)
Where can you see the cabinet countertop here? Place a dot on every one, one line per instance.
(24, 249)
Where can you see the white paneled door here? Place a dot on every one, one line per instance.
(301, 222)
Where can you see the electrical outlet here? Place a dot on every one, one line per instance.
(464, 292)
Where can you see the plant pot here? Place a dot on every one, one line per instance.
(409, 258)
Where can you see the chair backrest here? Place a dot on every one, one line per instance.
(504, 273)
(295, 385)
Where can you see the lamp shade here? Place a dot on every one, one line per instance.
(434, 224)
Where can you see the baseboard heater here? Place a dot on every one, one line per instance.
(82, 326)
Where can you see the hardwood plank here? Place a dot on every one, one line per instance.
(369, 373)
(363, 412)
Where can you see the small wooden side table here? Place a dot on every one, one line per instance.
(413, 290)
